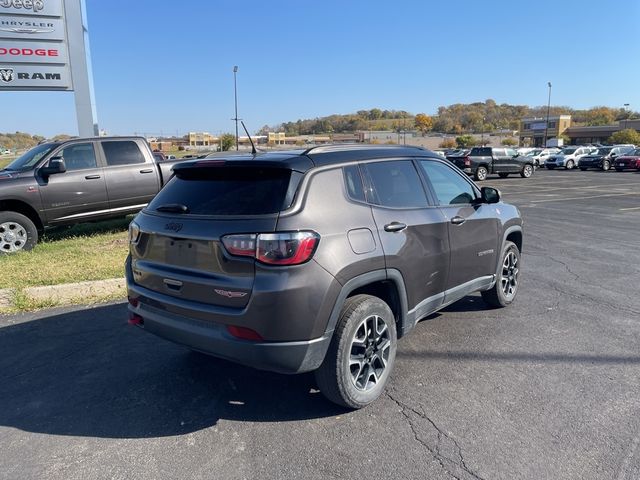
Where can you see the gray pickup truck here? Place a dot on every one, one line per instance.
(75, 181)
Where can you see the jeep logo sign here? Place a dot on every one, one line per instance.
(32, 7)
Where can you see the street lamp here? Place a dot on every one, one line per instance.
(546, 125)
(235, 96)
(626, 117)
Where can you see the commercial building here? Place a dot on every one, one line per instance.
(600, 133)
(532, 129)
(200, 139)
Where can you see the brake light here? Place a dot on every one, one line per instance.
(135, 319)
(467, 162)
(284, 248)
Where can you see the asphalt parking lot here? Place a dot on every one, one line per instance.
(546, 389)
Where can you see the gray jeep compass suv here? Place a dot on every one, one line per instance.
(318, 260)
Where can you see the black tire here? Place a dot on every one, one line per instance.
(527, 171)
(583, 169)
(505, 289)
(481, 173)
(340, 379)
(17, 233)
(503, 175)
(570, 165)
(606, 165)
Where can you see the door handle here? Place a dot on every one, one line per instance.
(458, 220)
(147, 170)
(394, 227)
(92, 177)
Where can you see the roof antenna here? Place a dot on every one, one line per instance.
(253, 147)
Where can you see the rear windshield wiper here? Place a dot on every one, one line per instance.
(173, 208)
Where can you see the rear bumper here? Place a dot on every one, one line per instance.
(203, 328)
(213, 339)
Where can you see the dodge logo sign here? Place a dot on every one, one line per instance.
(6, 75)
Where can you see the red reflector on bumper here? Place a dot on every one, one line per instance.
(244, 333)
(135, 319)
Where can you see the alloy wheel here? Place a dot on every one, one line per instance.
(13, 237)
(510, 271)
(369, 356)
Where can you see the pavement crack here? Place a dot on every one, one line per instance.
(455, 466)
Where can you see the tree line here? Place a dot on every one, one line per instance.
(456, 119)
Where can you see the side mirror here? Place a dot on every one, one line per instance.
(490, 195)
(56, 165)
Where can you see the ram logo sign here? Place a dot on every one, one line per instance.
(6, 75)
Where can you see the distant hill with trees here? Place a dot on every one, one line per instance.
(456, 119)
(22, 141)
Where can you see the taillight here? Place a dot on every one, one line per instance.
(467, 162)
(285, 248)
(244, 245)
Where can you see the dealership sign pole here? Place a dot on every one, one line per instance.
(44, 46)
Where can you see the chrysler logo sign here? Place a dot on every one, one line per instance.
(34, 5)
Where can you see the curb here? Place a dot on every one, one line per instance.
(66, 293)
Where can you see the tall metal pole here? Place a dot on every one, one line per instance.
(546, 125)
(235, 96)
(626, 107)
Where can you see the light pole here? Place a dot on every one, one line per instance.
(235, 97)
(546, 125)
(626, 117)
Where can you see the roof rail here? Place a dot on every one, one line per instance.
(333, 147)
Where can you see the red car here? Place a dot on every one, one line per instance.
(628, 161)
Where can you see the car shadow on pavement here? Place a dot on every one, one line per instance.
(88, 373)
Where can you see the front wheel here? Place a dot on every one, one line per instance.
(506, 287)
(17, 233)
(606, 165)
(361, 355)
(527, 171)
(481, 173)
(570, 165)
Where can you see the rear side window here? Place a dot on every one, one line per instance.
(480, 152)
(228, 191)
(122, 152)
(395, 184)
(353, 182)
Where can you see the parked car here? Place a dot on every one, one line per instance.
(603, 158)
(482, 161)
(630, 160)
(316, 260)
(5, 151)
(79, 180)
(540, 155)
(568, 158)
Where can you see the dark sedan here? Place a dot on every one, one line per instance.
(603, 158)
(629, 161)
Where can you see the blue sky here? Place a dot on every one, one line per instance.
(166, 67)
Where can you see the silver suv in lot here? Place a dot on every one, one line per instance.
(317, 260)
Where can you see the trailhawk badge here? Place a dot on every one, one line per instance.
(229, 294)
(6, 75)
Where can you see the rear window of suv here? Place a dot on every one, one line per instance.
(229, 191)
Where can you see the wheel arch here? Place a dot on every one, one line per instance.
(23, 208)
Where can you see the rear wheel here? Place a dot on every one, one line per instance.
(361, 355)
(506, 287)
(527, 171)
(570, 165)
(503, 175)
(606, 165)
(481, 173)
(17, 233)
